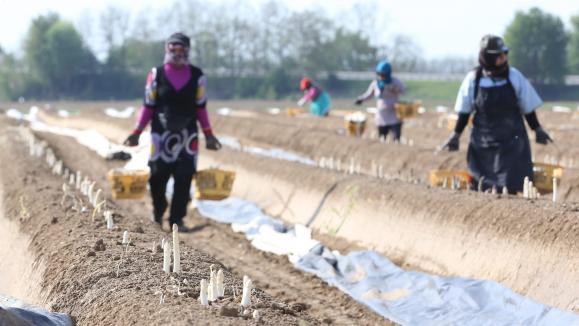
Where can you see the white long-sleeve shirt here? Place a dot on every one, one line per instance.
(527, 97)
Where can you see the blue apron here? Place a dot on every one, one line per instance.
(499, 148)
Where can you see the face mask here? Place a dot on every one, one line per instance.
(176, 54)
(382, 82)
(488, 62)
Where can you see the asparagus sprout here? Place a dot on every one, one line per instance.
(246, 296)
(220, 284)
(555, 190)
(176, 250)
(167, 259)
(203, 293)
(125, 237)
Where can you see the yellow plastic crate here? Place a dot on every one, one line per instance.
(128, 184)
(292, 112)
(407, 110)
(355, 123)
(437, 178)
(543, 174)
(355, 128)
(452, 119)
(214, 184)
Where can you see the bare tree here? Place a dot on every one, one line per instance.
(143, 26)
(404, 53)
(365, 16)
(114, 26)
(85, 26)
(270, 13)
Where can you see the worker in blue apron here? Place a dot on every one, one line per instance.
(499, 153)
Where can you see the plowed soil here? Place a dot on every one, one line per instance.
(529, 246)
(90, 275)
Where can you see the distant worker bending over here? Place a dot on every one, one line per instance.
(320, 100)
(499, 153)
(387, 89)
(175, 100)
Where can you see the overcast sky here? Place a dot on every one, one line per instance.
(440, 27)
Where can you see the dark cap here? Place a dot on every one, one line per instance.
(493, 44)
(179, 38)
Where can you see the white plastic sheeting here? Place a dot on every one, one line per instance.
(63, 113)
(120, 114)
(405, 297)
(414, 298)
(230, 142)
(224, 111)
(561, 109)
(264, 232)
(89, 138)
(139, 155)
(16, 114)
(279, 154)
(276, 153)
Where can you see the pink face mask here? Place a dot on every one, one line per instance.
(176, 54)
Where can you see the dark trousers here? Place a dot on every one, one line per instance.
(182, 172)
(396, 131)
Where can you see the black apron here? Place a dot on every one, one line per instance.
(499, 148)
(174, 123)
(175, 110)
(173, 144)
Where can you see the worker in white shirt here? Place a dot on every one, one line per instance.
(499, 153)
(387, 89)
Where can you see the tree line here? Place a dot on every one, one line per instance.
(256, 54)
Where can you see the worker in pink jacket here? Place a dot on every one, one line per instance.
(320, 100)
(175, 102)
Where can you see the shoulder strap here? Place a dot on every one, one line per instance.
(159, 71)
(196, 72)
(509, 80)
(478, 76)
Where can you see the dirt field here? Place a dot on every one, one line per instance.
(122, 285)
(528, 246)
(119, 285)
(317, 138)
(276, 274)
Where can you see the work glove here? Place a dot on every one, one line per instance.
(542, 137)
(212, 143)
(452, 143)
(133, 139)
(358, 102)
